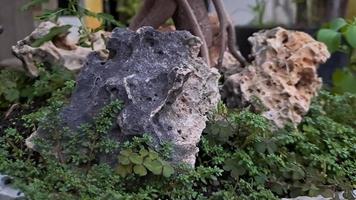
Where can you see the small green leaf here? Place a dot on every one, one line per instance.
(344, 81)
(12, 95)
(32, 3)
(126, 152)
(327, 193)
(167, 171)
(260, 147)
(233, 166)
(136, 159)
(350, 35)
(124, 170)
(271, 147)
(277, 188)
(152, 154)
(154, 166)
(53, 32)
(140, 170)
(143, 152)
(298, 175)
(337, 24)
(330, 38)
(124, 160)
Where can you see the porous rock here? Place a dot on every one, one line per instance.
(62, 52)
(282, 79)
(166, 89)
(7, 191)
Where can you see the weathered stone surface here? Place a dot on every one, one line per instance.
(282, 79)
(62, 52)
(7, 192)
(166, 89)
(337, 195)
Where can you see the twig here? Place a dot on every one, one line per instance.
(11, 109)
(196, 28)
(228, 35)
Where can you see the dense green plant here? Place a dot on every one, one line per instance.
(317, 158)
(242, 156)
(79, 148)
(136, 157)
(340, 36)
(16, 87)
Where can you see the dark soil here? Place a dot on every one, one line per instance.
(13, 118)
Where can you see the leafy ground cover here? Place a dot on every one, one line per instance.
(242, 156)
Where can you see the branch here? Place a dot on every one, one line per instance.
(154, 13)
(227, 30)
(196, 28)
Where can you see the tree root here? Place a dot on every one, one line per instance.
(227, 34)
(155, 13)
(196, 28)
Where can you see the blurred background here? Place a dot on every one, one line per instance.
(249, 16)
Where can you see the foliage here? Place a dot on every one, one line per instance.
(53, 32)
(136, 158)
(32, 3)
(127, 9)
(340, 36)
(16, 87)
(317, 158)
(73, 9)
(241, 157)
(259, 9)
(79, 148)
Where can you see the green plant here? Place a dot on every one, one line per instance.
(259, 9)
(80, 147)
(242, 156)
(73, 9)
(127, 9)
(317, 158)
(53, 32)
(340, 36)
(16, 87)
(137, 158)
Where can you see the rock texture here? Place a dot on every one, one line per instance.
(7, 191)
(166, 89)
(282, 79)
(62, 52)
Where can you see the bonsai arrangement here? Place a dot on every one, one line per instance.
(144, 118)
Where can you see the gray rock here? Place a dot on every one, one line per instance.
(166, 89)
(7, 192)
(338, 195)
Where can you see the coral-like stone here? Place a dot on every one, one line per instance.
(282, 79)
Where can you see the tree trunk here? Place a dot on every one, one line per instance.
(201, 13)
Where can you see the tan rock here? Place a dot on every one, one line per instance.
(61, 51)
(282, 79)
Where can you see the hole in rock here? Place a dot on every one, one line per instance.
(112, 54)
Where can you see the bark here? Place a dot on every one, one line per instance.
(201, 13)
(190, 15)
